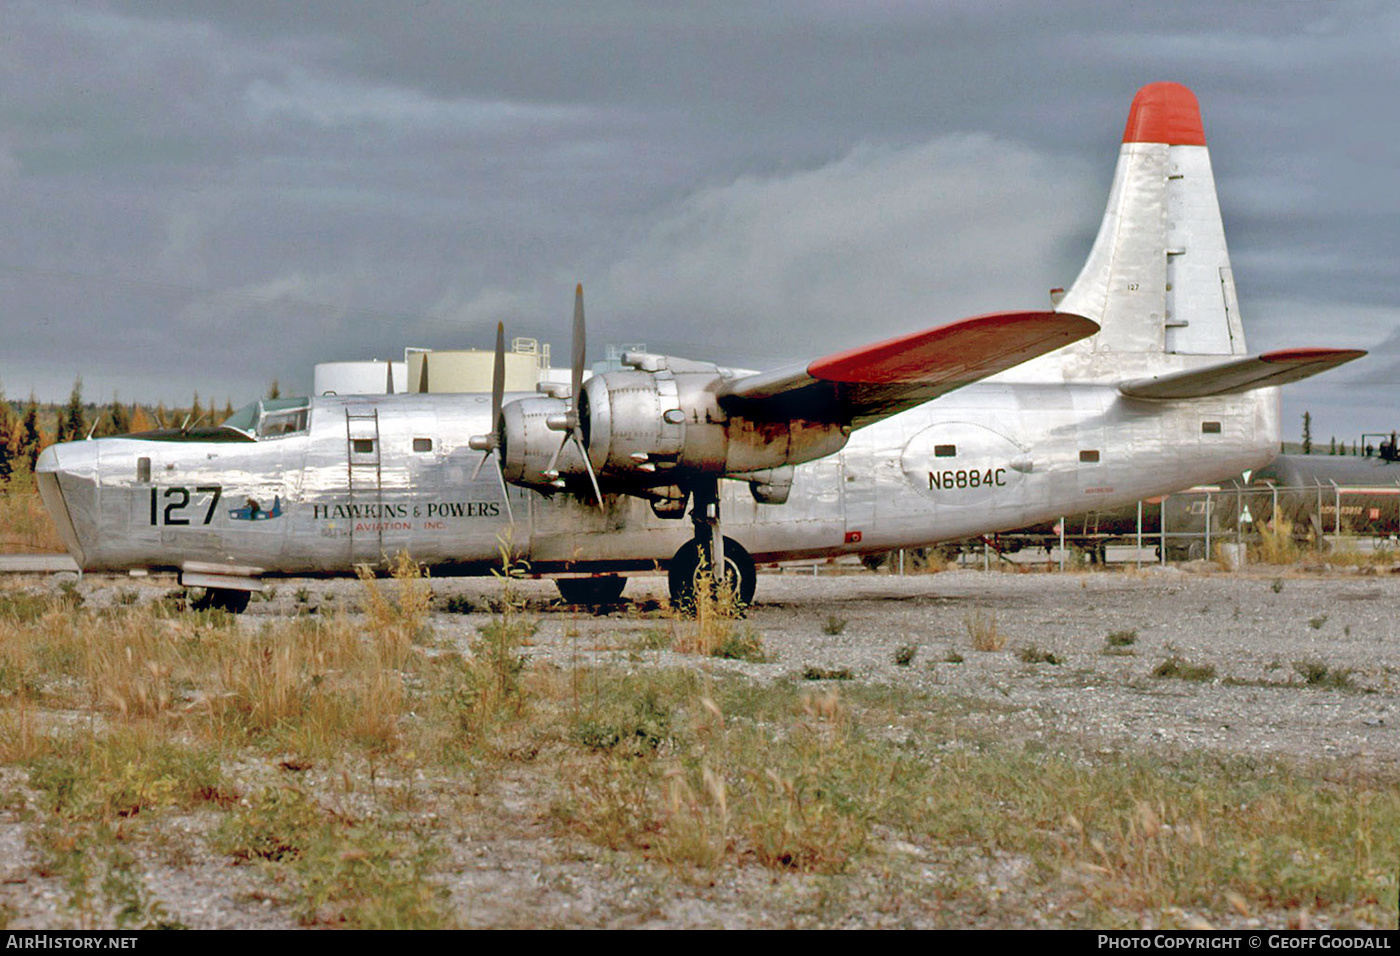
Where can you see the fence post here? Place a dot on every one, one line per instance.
(1207, 554)
(1321, 522)
(1137, 555)
(1162, 533)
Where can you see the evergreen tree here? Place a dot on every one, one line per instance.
(118, 418)
(11, 438)
(72, 424)
(196, 412)
(1307, 433)
(1334, 446)
(33, 434)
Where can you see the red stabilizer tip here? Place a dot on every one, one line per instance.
(1165, 113)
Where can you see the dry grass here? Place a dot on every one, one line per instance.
(1344, 553)
(712, 628)
(308, 683)
(1276, 545)
(687, 771)
(25, 525)
(708, 790)
(795, 783)
(982, 629)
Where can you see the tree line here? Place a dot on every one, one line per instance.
(27, 428)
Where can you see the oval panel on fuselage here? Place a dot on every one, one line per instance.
(962, 463)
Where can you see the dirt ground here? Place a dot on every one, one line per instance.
(1058, 680)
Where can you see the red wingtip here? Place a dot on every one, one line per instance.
(1165, 113)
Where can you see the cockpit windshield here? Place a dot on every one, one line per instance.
(270, 417)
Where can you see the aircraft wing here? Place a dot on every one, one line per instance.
(863, 385)
(1239, 375)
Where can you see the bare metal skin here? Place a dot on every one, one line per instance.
(1138, 384)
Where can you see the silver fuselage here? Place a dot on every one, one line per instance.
(992, 456)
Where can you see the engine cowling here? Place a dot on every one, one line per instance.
(643, 426)
(650, 426)
(527, 443)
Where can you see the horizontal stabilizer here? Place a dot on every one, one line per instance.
(1239, 375)
(865, 384)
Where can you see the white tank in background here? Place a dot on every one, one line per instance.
(360, 378)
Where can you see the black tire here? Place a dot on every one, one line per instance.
(875, 560)
(595, 592)
(223, 599)
(740, 572)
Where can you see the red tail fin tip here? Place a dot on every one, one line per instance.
(1165, 113)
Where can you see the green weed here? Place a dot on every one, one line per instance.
(1317, 673)
(1032, 654)
(1178, 668)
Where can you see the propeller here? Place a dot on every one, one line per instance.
(570, 422)
(490, 442)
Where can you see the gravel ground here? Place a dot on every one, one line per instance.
(1250, 627)
(512, 868)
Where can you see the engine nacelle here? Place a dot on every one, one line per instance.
(643, 427)
(527, 443)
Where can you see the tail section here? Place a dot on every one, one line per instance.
(1158, 277)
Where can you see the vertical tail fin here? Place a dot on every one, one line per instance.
(1158, 278)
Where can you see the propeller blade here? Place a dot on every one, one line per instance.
(554, 459)
(498, 379)
(570, 423)
(491, 441)
(505, 492)
(580, 349)
(583, 453)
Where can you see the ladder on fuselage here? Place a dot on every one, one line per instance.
(365, 485)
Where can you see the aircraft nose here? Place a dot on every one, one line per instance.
(67, 476)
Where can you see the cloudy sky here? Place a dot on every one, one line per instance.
(205, 195)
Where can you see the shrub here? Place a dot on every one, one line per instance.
(982, 628)
(1179, 668)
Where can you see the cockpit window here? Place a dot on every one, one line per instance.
(244, 420)
(271, 418)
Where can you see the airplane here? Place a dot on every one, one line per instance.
(1137, 382)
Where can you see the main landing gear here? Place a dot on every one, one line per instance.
(692, 563)
(594, 592)
(223, 599)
